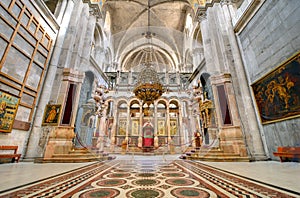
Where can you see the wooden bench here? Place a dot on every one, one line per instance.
(288, 154)
(14, 156)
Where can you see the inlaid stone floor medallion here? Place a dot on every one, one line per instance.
(145, 192)
(190, 192)
(147, 179)
(111, 182)
(180, 182)
(101, 192)
(145, 182)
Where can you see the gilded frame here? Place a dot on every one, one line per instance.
(52, 114)
(173, 126)
(122, 126)
(277, 94)
(8, 110)
(161, 127)
(135, 124)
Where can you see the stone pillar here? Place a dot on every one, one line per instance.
(254, 138)
(155, 126)
(182, 140)
(170, 142)
(34, 149)
(114, 128)
(230, 132)
(61, 138)
(127, 126)
(140, 140)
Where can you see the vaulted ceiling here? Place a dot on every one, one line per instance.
(131, 19)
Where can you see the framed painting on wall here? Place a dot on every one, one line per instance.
(161, 128)
(122, 127)
(52, 114)
(173, 126)
(277, 94)
(135, 127)
(8, 109)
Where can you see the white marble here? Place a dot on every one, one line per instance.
(17, 174)
(286, 175)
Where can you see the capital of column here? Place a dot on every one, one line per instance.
(201, 15)
(94, 8)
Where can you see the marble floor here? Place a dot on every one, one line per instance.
(275, 177)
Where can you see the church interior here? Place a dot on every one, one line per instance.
(149, 98)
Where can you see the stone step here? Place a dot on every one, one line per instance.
(72, 160)
(78, 155)
(217, 158)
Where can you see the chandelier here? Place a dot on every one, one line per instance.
(148, 87)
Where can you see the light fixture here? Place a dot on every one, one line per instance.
(148, 87)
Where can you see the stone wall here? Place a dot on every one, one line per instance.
(27, 35)
(270, 38)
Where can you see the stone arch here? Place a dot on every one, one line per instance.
(188, 61)
(97, 47)
(206, 86)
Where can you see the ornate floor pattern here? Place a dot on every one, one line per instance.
(148, 179)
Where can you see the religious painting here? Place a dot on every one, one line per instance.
(8, 109)
(173, 126)
(122, 126)
(52, 114)
(135, 127)
(161, 128)
(277, 94)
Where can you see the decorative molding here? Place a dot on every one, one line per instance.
(95, 8)
(247, 14)
(73, 75)
(201, 11)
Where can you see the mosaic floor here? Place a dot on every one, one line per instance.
(148, 179)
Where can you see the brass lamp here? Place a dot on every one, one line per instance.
(148, 88)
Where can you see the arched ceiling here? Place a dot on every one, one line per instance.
(130, 20)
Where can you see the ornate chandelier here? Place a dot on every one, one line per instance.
(148, 87)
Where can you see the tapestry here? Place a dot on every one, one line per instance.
(8, 110)
(278, 94)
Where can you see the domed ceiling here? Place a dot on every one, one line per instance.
(130, 20)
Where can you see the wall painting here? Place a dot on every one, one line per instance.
(161, 128)
(135, 127)
(277, 94)
(8, 109)
(122, 126)
(51, 114)
(173, 126)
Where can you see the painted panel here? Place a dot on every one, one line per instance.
(277, 94)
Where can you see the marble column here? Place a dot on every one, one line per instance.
(253, 134)
(114, 128)
(34, 149)
(140, 140)
(181, 130)
(155, 126)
